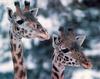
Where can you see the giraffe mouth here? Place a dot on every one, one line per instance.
(87, 65)
(43, 36)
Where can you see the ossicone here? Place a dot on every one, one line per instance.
(27, 5)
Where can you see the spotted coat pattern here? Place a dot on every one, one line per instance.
(67, 52)
(23, 25)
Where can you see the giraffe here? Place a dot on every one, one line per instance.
(24, 24)
(68, 52)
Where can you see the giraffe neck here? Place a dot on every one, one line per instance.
(17, 56)
(57, 71)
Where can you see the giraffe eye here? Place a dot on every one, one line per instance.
(20, 21)
(65, 50)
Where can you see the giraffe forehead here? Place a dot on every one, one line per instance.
(26, 15)
(29, 16)
(66, 44)
(72, 44)
(18, 18)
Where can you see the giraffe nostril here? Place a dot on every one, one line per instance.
(87, 65)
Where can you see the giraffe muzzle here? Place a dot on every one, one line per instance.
(43, 36)
(87, 65)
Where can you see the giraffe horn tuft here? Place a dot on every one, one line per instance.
(27, 5)
(61, 29)
(70, 29)
(17, 4)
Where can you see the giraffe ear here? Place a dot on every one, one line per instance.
(10, 13)
(34, 11)
(80, 38)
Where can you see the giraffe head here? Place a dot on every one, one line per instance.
(25, 22)
(67, 49)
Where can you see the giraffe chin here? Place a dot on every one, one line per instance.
(87, 65)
